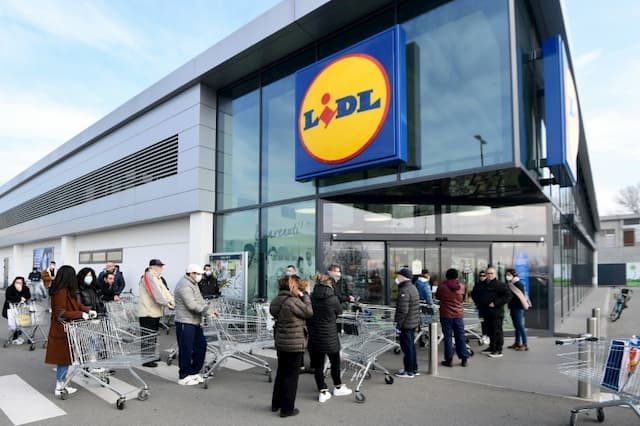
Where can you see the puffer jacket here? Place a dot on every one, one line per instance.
(190, 305)
(89, 296)
(290, 314)
(450, 293)
(496, 292)
(407, 306)
(323, 333)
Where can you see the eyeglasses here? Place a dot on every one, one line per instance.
(491, 273)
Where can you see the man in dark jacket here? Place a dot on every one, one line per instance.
(118, 283)
(341, 287)
(407, 319)
(491, 300)
(208, 285)
(323, 337)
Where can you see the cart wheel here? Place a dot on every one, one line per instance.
(269, 378)
(396, 351)
(205, 385)
(360, 397)
(470, 351)
(388, 379)
(64, 394)
(44, 345)
(32, 347)
(120, 403)
(368, 375)
(600, 415)
(572, 420)
(106, 380)
(143, 395)
(168, 331)
(169, 361)
(5, 344)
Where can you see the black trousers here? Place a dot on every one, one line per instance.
(494, 331)
(149, 345)
(317, 363)
(285, 386)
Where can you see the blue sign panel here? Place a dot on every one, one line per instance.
(562, 114)
(351, 108)
(522, 268)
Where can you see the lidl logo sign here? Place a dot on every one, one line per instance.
(350, 110)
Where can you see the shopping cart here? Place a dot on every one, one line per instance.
(99, 345)
(236, 336)
(365, 335)
(168, 320)
(611, 364)
(28, 320)
(123, 313)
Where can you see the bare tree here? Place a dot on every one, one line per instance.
(629, 197)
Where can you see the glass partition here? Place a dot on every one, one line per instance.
(378, 218)
(516, 220)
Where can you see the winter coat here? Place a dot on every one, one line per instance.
(515, 302)
(12, 295)
(495, 292)
(151, 304)
(90, 296)
(408, 306)
(451, 294)
(323, 333)
(118, 282)
(290, 314)
(47, 277)
(424, 290)
(209, 286)
(190, 306)
(64, 306)
(477, 294)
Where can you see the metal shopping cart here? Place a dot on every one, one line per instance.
(123, 313)
(236, 336)
(611, 364)
(366, 334)
(28, 319)
(99, 344)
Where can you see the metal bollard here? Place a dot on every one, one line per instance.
(433, 348)
(595, 313)
(584, 357)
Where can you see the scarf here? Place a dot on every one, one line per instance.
(524, 299)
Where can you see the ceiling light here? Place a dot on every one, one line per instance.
(380, 217)
(477, 211)
(306, 210)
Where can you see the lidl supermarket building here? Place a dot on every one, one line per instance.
(373, 134)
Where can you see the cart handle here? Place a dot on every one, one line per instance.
(574, 340)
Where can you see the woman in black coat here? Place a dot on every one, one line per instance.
(323, 337)
(17, 292)
(89, 293)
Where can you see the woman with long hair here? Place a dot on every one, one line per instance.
(64, 307)
(89, 291)
(17, 292)
(290, 309)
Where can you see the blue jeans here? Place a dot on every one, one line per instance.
(61, 372)
(192, 348)
(517, 316)
(453, 328)
(408, 347)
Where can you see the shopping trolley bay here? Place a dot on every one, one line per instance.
(520, 388)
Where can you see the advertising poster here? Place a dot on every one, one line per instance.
(230, 269)
(42, 257)
(522, 268)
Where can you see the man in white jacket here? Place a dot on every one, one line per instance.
(154, 297)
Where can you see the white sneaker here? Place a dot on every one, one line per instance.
(197, 377)
(18, 341)
(188, 381)
(324, 396)
(59, 389)
(342, 390)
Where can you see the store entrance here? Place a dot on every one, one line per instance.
(468, 258)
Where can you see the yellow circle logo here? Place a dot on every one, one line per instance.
(344, 108)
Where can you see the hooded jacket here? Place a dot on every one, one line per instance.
(323, 333)
(451, 295)
(495, 292)
(290, 314)
(407, 306)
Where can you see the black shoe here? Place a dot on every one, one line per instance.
(446, 363)
(274, 409)
(464, 362)
(151, 364)
(486, 351)
(295, 412)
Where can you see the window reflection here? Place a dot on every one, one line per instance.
(378, 218)
(517, 220)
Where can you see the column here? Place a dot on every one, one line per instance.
(200, 237)
(68, 254)
(16, 263)
(594, 282)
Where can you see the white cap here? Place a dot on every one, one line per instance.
(194, 268)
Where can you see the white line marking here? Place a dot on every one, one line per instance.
(107, 394)
(23, 404)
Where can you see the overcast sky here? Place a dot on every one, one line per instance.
(65, 64)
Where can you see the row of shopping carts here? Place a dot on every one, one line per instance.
(26, 322)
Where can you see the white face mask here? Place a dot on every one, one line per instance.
(88, 280)
(398, 280)
(207, 273)
(335, 275)
(198, 277)
(509, 277)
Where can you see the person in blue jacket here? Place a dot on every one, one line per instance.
(423, 283)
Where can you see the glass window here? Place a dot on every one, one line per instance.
(238, 148)
(458, 65)
(238, 232)
(378, 218)
(278, 143)
(84, 257)
(363, 268)
(289, 238)
(517, 220)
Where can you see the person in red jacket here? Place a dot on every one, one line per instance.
(451, 294)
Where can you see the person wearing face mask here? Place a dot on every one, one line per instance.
(17, 292)
(208, 284)
(517, 305)
(423, 285)
(341, 287)
(190, 308)
(49, 274)
(478, 289)
(89, 291)
(407, 320)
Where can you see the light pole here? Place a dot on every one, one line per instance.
(513, 228)
(482, 144)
